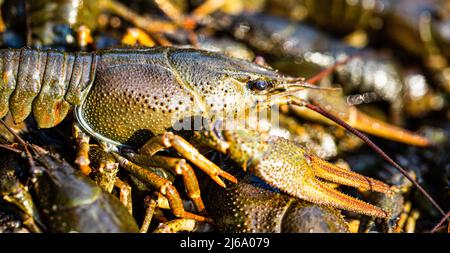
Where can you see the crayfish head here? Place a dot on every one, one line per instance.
(225, 84)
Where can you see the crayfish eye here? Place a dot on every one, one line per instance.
(258, 84)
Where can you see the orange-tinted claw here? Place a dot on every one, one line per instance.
(364, 122)
(285, 166)
(319, 193)
(333, 173)
(219, 181)
(227, 176)
(338, 107)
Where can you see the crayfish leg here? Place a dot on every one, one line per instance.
(150, 207)
(153, 205)
(161, 184)
(125, 194)
(189, 22)
(82, 157)
(148, 24)
(186, 150)
(333, 173)
(177, 225)
(177, 166)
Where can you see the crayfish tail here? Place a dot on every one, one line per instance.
(45, 83)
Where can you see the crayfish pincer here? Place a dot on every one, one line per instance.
(139, 98)
(283, 164)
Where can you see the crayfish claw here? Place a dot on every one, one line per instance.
(319, 193)
(219, 181)
(383, 129)
(295, 172)
(227, 176)
(335, 174)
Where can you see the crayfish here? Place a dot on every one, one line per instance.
(145, 100)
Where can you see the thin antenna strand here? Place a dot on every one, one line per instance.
(330, 69)
(22, 142)
(440, 223)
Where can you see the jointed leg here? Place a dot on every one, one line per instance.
(173, 12)
(189, 21)
(125, 194)
(82, 159)
(150, 206)
(189, 152)
(179, 167)
(177, 225)
(150, 25)
(163, 185)
(206, 8)
(157, 203)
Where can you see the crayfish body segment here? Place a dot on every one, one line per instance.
(46, 83)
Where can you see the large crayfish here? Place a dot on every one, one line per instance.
(141, 98)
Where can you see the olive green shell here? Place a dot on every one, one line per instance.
(141, 93)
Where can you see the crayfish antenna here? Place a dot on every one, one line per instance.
(372, 145)
(11, 148)
(330, 69)
(22, 142)
(440, 223)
